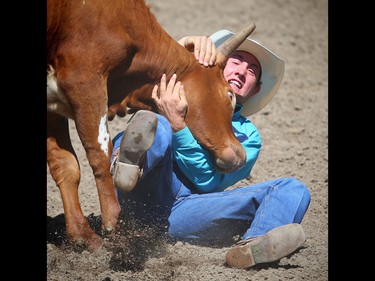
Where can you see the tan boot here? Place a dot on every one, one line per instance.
(138, 137)
(276, 244)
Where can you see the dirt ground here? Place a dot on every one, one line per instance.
(294, 129)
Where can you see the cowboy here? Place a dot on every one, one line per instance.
(168, 181)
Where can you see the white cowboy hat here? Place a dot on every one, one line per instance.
(272, 71)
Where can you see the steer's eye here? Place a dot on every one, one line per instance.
(230, 94)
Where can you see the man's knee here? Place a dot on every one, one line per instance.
(298, 188)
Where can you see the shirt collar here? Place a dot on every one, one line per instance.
(237, 111)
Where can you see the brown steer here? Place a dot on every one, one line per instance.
(102, 53)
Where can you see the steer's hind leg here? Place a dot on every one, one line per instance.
(65, 171)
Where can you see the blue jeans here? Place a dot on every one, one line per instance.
(165, 200)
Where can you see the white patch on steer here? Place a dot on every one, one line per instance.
(56, 101)
(103, 137)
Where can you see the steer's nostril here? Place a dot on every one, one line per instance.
(231, 159)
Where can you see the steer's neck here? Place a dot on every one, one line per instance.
(169, 57)
(157, 54)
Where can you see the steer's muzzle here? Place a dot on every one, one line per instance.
(231, 159)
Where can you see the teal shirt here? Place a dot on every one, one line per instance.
(197, 165)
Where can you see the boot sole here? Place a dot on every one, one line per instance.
(276, 244)
(140, 134)
(138, 137)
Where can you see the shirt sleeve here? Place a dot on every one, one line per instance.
(197, 165)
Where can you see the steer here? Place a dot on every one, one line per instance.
(104, 53)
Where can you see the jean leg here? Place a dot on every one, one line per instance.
(151, 200)
(215, 218)
(281, 201)
(212, 219)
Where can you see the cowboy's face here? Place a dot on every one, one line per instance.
(242, 71)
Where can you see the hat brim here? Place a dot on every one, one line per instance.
(272, 71)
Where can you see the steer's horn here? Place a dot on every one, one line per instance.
(229, 46)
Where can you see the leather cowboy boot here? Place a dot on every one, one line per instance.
(138, 137)
(274, 245)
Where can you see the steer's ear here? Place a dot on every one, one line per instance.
(229, 46)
